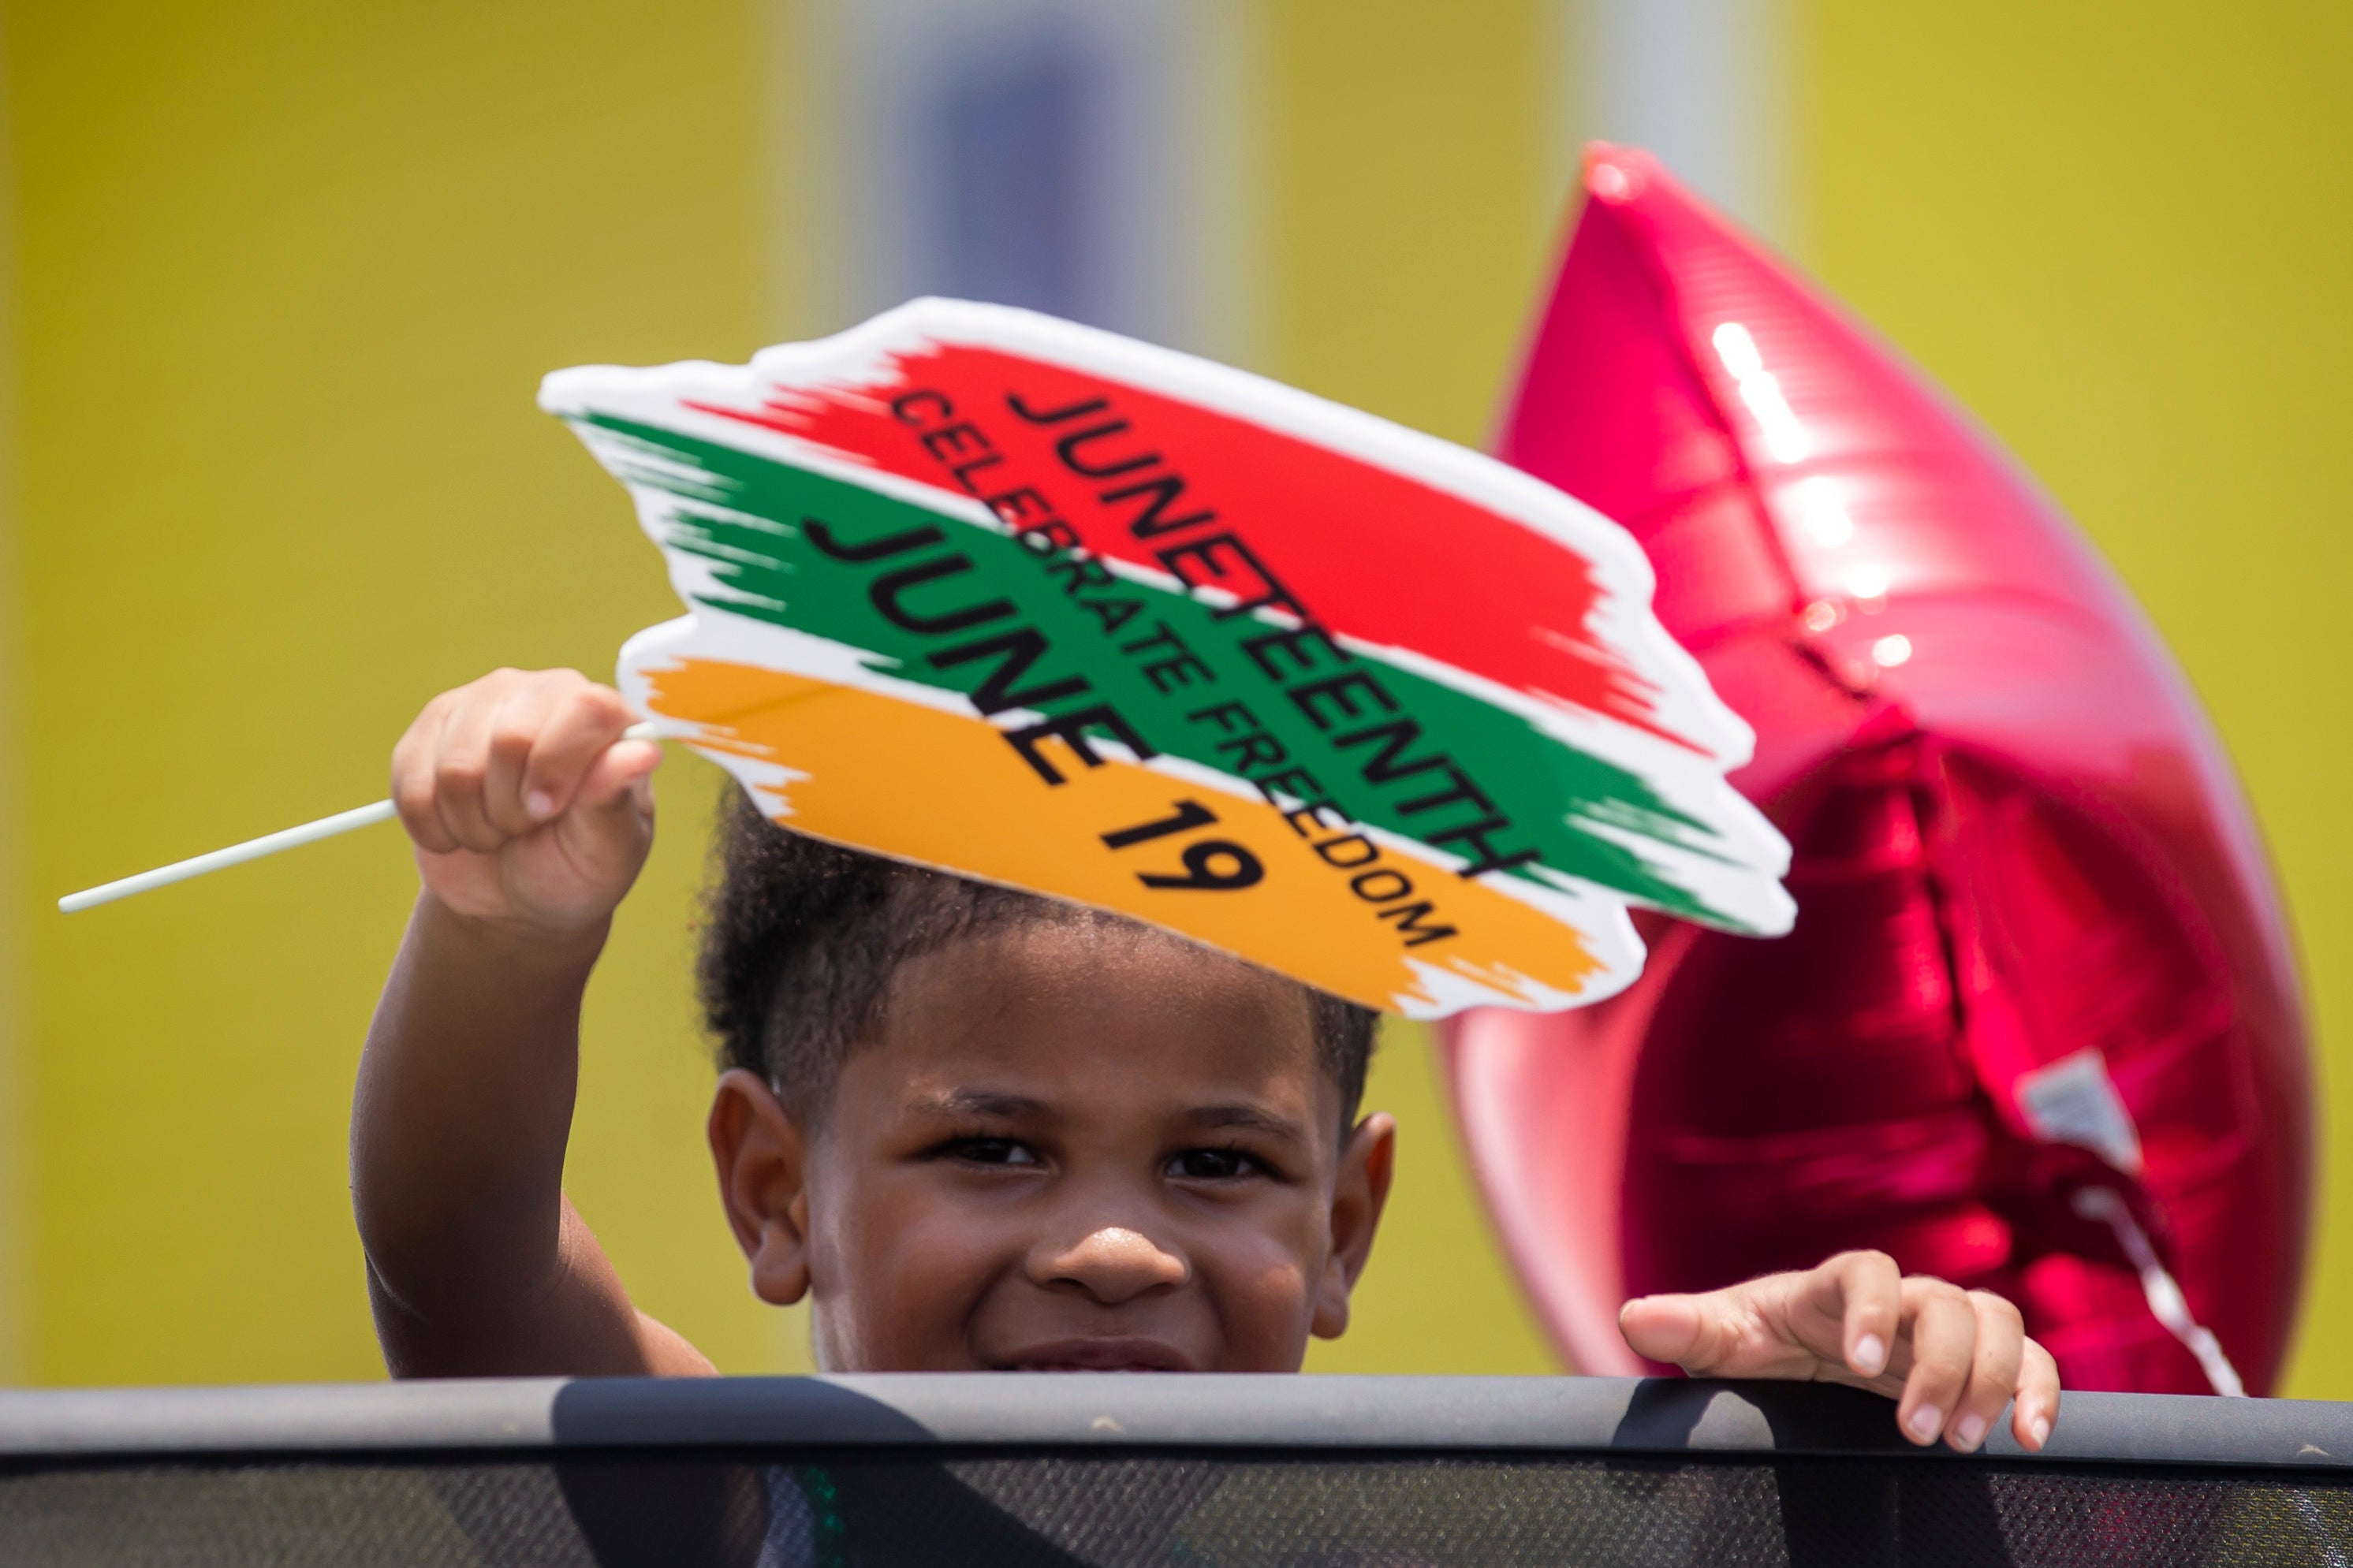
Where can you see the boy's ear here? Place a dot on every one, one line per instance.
(762, 1157)
(1358, 1195)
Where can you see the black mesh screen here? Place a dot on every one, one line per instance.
(1233, 1511)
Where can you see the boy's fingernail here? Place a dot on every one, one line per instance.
(1925, 1422)
(2041, 1430)
(540, 803)
(1970, 1431)
(1870, 1354)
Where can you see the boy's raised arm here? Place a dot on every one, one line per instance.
(530, 823)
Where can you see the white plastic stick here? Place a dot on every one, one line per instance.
(255, 848)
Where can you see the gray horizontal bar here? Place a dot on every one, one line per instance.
(984, 1410)
(491, 1412)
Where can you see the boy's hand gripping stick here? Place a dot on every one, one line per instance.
(255, 848)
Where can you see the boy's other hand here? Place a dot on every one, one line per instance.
(1951, 1358)
(526, 807)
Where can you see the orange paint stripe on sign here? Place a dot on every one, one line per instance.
(1211, 857)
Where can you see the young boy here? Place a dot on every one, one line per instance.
(978, 1129)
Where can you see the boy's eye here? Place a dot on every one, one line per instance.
(1213, 1165)
(992, 1151)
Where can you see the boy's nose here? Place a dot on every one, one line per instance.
(1112, 1264)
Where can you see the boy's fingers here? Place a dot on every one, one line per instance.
(2037, 1409)
(1953, 1358)
(1864, 1297)
(412, 778)
(461, 762)
(582, 720)
(1944, 1347)
(1665, 1328)
(610, 823)
(535, 703)
(617, 779)
(1993, 1370)
(492, 760)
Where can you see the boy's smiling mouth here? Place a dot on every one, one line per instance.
(1098, 1353)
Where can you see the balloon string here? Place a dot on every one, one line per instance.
(2166, 1302)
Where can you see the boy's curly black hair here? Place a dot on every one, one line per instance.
(801, 937)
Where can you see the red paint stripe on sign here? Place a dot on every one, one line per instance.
(1142, 477)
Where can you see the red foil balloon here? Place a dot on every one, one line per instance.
(2038, 1027)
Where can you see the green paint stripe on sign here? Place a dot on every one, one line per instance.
(933, 597)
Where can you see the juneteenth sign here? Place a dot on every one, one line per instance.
(991, 592)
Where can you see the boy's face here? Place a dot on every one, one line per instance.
(1070, 1148)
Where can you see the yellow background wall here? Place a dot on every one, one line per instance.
(286, 276)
